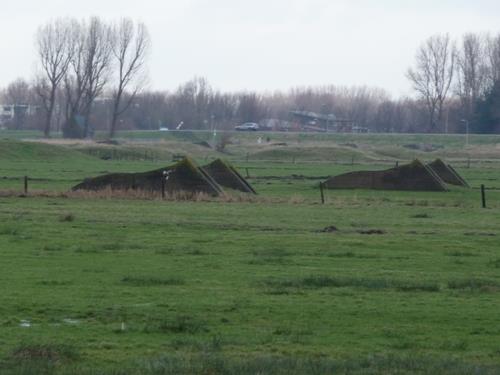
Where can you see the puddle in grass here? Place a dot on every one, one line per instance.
(71, 321)
(27, 324)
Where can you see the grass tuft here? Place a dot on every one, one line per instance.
(317, 282)
(177, 324)
(67, 217)
(458, 253)
(44, 352)
(151, 281)
(421, 216)
(474, 284)
(495, 263)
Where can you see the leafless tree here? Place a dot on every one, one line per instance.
(97, 64)
(493, 54)
(433, 74)
(89, 72)
(55, 53)
(76, 78)
(251, 107)
(472, 72)
(192, 103)
(130, 46)
(18, 92)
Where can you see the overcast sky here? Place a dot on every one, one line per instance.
(262, 44)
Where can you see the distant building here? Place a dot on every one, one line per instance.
(274, 124)
(312, 121)
(16, 113)
(6, 113)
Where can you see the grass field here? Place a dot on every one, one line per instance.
(406, 282)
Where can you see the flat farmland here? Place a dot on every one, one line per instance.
(369, 282)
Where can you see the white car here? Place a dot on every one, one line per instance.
(248, 126)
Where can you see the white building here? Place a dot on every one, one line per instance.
(8, 112)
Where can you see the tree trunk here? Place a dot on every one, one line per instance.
(46, 128)
(50, 110)
(114, 117)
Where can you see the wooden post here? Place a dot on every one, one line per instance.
(483, 196)
(397, 163)
(248, 174)
(322, 193)
(163, 182)
(25, 185)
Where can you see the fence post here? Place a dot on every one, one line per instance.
(163, 182)
(248, 174)
(25, 185)
(483, 196)
(322, 193)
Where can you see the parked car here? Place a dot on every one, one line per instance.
(247, 126)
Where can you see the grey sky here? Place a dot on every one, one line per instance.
(262, 44)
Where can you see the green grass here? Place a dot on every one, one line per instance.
(128, 286)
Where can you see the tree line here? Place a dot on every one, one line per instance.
(92, 76)
(79, 63)
(462, 77)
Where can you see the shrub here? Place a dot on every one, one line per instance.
(151, 281)
(316, 282)
(473, 284)
(67, 217)
(177, 324)
(44, 352)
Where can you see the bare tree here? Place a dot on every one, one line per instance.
(18, 92)
(251, 107)
(97, 65)
(89, 73)
(191, 103)
(471, 72)
(493, 52)
(433, 74)
(76, 78)
(130, 48)
(55, 54)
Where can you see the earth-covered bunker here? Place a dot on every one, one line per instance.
(414, 177)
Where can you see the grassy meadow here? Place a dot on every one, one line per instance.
(371, 282)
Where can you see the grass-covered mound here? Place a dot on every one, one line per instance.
(15, 151)
(414, 176)
(226, 175)
(184, 176)
(447, 173)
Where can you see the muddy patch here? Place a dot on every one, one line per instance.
(328, 229)
(483, 234)
(371, 231)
